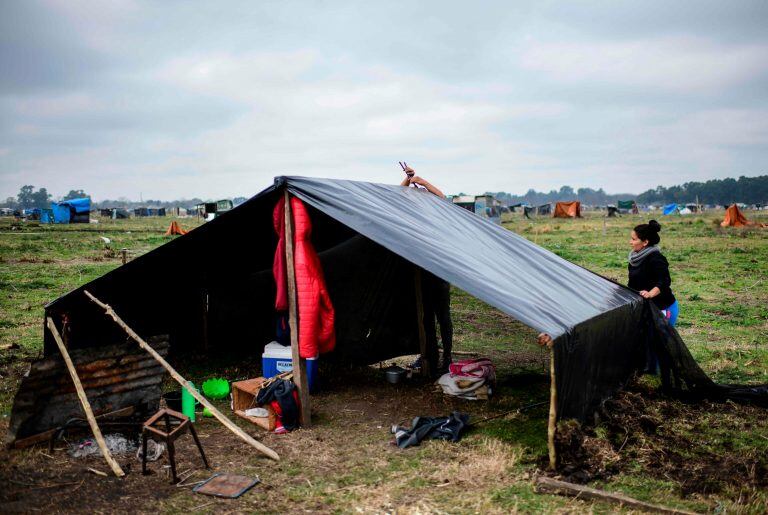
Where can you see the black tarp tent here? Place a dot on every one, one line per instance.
(371, 238)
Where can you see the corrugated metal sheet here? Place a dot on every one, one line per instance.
(113, 377)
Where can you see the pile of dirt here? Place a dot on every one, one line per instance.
(669, 439)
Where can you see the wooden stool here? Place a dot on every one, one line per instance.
(168, 436)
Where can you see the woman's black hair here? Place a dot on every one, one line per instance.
(649, 232)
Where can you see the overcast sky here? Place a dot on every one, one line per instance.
(171, 99)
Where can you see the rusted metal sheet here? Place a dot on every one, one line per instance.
(113, 377)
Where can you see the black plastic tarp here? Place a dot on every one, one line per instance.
(528, 282)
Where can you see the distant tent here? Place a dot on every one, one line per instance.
(613, 211)
(629, 205)
(685, 211)
(76, 210)
(670, 208)
(544, 209)
(527, 210)
(568, 209)
(734, 217)
(60, 213)
(175, 229)
(46, 216)
(513, 207)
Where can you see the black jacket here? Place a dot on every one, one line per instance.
(653, 271)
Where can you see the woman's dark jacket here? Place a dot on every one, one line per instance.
(653, 271)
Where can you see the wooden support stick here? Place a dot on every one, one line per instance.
(426, 367)
(84, 401)
(184, 383)
(548, 485)
(552, 423)
(299, 363)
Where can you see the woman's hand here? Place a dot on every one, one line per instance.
(415, 179)
(650, 294)
(544, 340)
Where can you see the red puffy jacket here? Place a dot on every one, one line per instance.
(316, 315)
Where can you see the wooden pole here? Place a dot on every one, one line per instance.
(299, 363)
(548, 485)
(184, 383)
(552, 422)
(426, 367)
(84, 401)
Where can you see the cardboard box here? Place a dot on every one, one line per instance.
(244, 397)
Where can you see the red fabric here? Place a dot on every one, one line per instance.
(278, 266)
(481, 367)
(316, 314)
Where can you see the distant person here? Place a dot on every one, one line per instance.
(436, 296)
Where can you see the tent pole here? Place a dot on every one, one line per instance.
(299, 363)
(183, 382)
(552, 423)
(84, 401)
(425, 364)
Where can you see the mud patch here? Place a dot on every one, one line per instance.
(706, 448)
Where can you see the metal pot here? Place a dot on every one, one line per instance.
(395, 374)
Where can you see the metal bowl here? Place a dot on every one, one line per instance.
(394, 374)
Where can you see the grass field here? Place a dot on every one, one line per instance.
(703, 457)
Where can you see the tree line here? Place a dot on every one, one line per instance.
(747, 190)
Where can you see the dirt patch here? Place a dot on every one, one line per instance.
(345, 462)
(698, 446)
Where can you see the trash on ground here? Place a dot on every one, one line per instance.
(154, 450)
(116, 444)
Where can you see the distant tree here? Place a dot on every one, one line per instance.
(566, 192)
(29, 198)
(75, 194)
(750, 190)
(24, 196)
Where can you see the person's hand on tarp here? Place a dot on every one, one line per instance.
(545, 340)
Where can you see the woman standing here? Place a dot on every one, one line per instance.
(649, 269)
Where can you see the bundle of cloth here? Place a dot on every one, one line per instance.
(283, 398)
(470, 379)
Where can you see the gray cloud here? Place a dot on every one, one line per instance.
(171, 99)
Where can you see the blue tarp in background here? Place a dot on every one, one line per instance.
(670, 208)
(65, 211)
(60, 213)
(81, 205)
